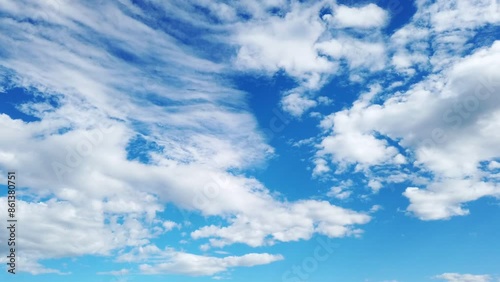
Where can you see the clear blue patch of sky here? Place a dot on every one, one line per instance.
(140, 149)
(12, 98)
(397, 246)
(264, 98)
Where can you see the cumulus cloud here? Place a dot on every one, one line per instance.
(341, 191)
(443, 199)
(443, 124)
(434, 40)
(359, 54)
(450, 128)
(320, 167)
(301, 43)
(296, 105)
(285, 43)
(290, 222)
(367, 16)
(354, 147)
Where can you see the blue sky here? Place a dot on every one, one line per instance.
(268, 140)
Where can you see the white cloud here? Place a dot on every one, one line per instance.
(376, 208)
(434, 40)
(324, 100)
(340, 192)
(369, 16)
(375, 185)
(290, 222)
(72, 230)
(276, 42)
(169, 225)
(493, 165)
(349, 142)
(296, 104)
(194, 265)
(443, 199)
(358, 53)
(456, 277)
(169, 261)
(448, 121)
(302, 45)
(360, 148)
(139, 82)
(320, 167)
(443, 15)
